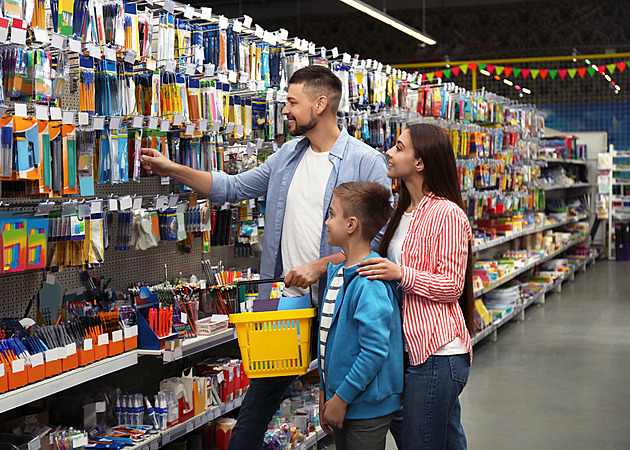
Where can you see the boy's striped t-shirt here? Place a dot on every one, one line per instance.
(328, 310)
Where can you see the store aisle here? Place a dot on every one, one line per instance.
(559, 379)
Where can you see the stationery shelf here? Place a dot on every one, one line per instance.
(568, 186)
(35, 391)
(198, 344)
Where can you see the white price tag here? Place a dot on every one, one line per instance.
(55, 113)
(41, 112)
(103, 339)
(96, 206)
(130, 332)
(170, 66)
(260, 33)
(206, 13)
(177, 120)
(209, 72)
(184, 317)
(58, 41)
(311, 48)
(87, 344)
(80, 440)
(137, 203)
(223, 78)
(169, 6)
(117, 336)
(223, 22)
(346, 58)
(50, 279)
(238, 129)
(17, 365)
(110, 54)
(202, 283)
(259, 143)
(137, 121)
(165, 125)
(216, 126)
(18, 35)
(189, 12)
(247, 21)
(1, 370)
(61, 353)
(232, 77)
(112, 204)
(190, 129)
(154, 123)
(68, 118)
(95, 51)
(41, 35)
(202, 125)
(51, 355)
(37, 359)
(131, 56)
(238, 26)
(115, 122)
(191, 68)
(335, 52)
(71, 349)
(98, 123)
(74, 45)
(229, 128)
(125, 202)
(20, 109)
(84, 118)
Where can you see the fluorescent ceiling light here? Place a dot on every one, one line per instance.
(508, 82)
(389, 20)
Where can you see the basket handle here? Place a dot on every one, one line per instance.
(263, 281)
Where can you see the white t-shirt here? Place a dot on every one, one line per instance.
(394, 254)
(304, 214)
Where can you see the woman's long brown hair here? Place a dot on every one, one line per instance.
(433, 145)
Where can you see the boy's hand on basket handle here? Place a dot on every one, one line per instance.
(335, 411)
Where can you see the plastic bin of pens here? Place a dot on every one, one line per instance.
(274, 343)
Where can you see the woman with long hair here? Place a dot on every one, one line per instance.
(427, 246)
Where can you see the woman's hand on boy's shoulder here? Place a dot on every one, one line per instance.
(379, 269)
(335, 411)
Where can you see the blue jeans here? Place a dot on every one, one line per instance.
(432, 419)
(259, 405)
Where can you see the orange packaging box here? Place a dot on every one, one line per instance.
(71, 361)
(116, 345)
(131, 337)
(101, 349)
(86, 355)
(4, 379)
(18, 375)
(38, 368)
(53, 363)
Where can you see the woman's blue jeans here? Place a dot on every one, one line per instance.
(432, 413)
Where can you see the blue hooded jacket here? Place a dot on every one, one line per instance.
(364, 351)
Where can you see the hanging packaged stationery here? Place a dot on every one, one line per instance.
(145, 33)
(6, 141)
(137, 145)
(60, 72)
(13, 243)
(114, 159)
(222, 61)
(42, 85)
(143, 94)
(13, 8)
(69, 155)
(277, 66)
(127, 89)
(44, 166)
(27, 148)
(86, 138)
(87, 86)
(56, 157)
(65, 20)
(108, 101)
(197, 45)
(131, 21)
(180, 105)
(104, 158)
(123, 155)
(194, 99)
(114, 22)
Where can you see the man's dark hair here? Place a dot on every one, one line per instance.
(319, 80)
(368, 201)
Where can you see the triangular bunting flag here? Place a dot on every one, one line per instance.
(562, 73)
(517, 72)
(473, 66)
(489, 68)
(439, 74)
(611, 68)
(572, 72)
(590, 71)
(543, 73)
(601, 69)
(430, 76)
(482, 67)
(499, 70)
(525, 73)
(535, 73)
(464, 69)
(553, 73)
(582, 71)
(447, 73)
(621, 66)
(508, 71)
(456, 71)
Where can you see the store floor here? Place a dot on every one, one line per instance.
(559, 379)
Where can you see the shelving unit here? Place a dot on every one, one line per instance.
(197, 344)
(616, 214)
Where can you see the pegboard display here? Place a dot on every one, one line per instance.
(17, 291)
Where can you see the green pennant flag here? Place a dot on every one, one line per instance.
(482, 66)
(499, 70)
(572, 72)
(430, 75)
(464, 68)
(553, 73)
(447, 73)
(590, 70)
(516, 72)
(611, 68)
(534, 73)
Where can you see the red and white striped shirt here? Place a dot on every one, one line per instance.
(434, 258)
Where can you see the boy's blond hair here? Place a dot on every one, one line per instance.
(368, 202)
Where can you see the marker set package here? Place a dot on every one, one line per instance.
(27, 74)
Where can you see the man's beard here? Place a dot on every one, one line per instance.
(299, 130)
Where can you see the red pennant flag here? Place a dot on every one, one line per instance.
(456, 71)
(507, 71)
(489, 68)
(621, 66)
(582, 71)
(602, 69)
(525, 73)
(439, 74)
(473, 66)
(562, 73)
(543, 73)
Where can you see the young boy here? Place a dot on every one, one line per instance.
(360, 337)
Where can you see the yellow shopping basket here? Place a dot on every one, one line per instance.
(274, 343)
